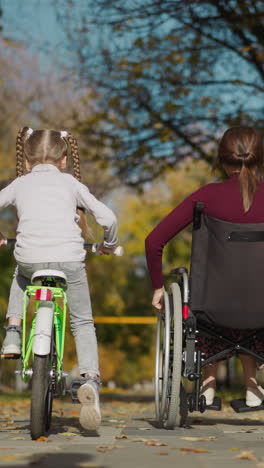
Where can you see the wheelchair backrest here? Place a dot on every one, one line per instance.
(227, 271)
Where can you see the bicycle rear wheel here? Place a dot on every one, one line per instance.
(41, 399)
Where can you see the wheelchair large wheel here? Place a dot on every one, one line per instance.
(176, 406)
(162, 359)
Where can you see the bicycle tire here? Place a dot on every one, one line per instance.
(41, 400)
(49, 403)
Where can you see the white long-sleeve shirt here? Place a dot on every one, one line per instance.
(46, 201)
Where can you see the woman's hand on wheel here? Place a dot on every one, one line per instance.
(158, 298)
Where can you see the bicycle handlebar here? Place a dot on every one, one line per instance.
(119, 251)
(9, 241)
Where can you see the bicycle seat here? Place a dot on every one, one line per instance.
(49, 276)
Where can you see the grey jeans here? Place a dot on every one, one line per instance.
(79, 302)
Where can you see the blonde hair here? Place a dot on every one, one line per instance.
(48, 146)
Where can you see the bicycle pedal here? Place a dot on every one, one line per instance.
(73, 389)
(10, 356)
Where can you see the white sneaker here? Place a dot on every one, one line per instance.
(12, 341)
(209, 394)
(254, 396)
(88, 395)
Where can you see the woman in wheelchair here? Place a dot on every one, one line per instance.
(227, 262)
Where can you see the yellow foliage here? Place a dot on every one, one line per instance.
(111, 359)
(139, 214)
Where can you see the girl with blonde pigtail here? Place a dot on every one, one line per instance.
(51, 206)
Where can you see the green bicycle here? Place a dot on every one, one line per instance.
(43, 342)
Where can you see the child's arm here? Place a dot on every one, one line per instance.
(7, 195)
(103, 215)
(7, 198)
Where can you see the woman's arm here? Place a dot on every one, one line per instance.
(171, 225)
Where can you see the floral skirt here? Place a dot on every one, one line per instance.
(210, 345)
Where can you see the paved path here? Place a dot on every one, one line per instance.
(130, 438)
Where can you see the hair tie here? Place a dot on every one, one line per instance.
(29, 132)
(63, 134)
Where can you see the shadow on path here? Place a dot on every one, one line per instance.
(59, 460)
(203, 421)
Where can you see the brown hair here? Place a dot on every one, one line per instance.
(241, 149)
(48, 146)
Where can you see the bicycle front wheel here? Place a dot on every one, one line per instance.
(41, 399)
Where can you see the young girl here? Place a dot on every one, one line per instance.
(49, 237)
(239, 200)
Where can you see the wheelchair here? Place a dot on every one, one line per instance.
(224, 291)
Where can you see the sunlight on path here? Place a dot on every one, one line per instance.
(129, 436)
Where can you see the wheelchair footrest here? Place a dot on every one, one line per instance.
(73, 389)
(239, 406)
(10, 356)
(216, 405)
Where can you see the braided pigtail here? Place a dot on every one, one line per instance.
(86, 230)
(75, 156)
(20, 154)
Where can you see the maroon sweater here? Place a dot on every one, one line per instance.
(221, 200)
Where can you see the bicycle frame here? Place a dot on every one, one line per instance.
(59, 320)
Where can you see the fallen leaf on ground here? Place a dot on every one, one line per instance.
(120, 436)
(42, 439)
(199, 439)
(139, 440)
(246, 455)
(144, 428)
(18, 438)
(154, 443)
(199, 450)
(103, 449)
(162, 453)
(72, 429)
(68, 434)
(73, 412)
(59, 411)
(107, 448)
(120, 426)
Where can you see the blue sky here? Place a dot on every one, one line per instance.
(34, 23)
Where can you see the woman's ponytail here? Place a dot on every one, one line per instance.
(241, 150)
(249, 183)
